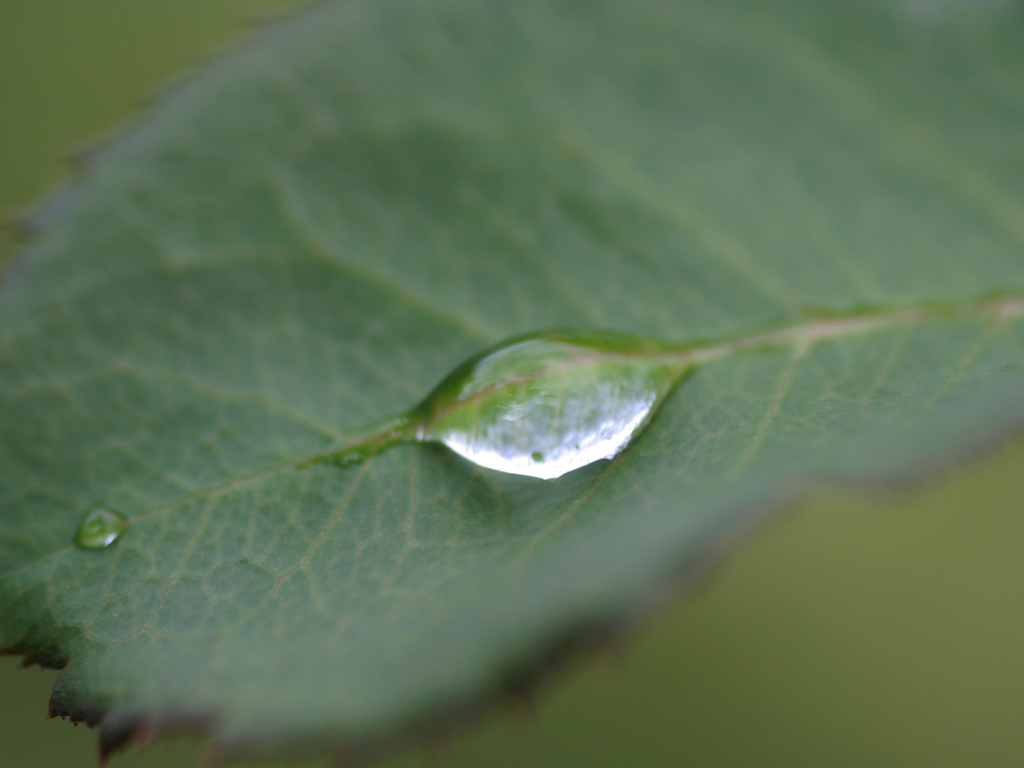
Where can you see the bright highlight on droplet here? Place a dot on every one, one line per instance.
(549, 403)
(100, 528)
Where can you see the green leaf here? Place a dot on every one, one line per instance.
(822, 202)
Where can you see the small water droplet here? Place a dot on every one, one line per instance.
(100, 528)
(548, 403)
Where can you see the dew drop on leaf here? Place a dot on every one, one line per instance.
(548, 403)
(100, 528)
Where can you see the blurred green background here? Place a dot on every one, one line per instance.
(859, 630)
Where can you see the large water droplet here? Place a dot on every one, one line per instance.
(546, 404)
(100, 528)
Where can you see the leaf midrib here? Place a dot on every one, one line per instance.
(1002, 310)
